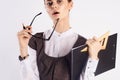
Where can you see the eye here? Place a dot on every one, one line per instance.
(50, 3)
(59, 1)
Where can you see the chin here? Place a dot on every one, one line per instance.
(55, 18)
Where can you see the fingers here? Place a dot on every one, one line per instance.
(89, 42)
(27, 27)
(94, 47)
(92, 41)
(25, 33)
(95, 38)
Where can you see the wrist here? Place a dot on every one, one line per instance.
(23, 52)
(94, 57)
(23, 57)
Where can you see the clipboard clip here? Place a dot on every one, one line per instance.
(103, 39)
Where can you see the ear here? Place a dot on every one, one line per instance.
(70, 5)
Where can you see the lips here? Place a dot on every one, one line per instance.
(55, 13)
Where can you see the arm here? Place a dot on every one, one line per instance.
(94, 46)
(89, 70)
(28, 65)
(28, 68)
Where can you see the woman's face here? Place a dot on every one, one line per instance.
(58, 8)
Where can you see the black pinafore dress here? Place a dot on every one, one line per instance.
(54, 68)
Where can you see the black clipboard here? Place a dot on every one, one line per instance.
(106, 62)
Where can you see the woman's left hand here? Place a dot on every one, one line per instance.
(94, 46)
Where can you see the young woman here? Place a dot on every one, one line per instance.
(51, 60)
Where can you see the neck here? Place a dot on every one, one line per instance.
(63, 25)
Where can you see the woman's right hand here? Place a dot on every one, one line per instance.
(23, 38)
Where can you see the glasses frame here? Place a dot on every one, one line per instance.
(41, 37)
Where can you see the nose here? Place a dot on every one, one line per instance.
(55, 5)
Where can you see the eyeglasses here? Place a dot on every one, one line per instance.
(41, 37)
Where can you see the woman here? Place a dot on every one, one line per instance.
(51, 60)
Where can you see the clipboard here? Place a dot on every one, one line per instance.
(107, 57)
(106, 62)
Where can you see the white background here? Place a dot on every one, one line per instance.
(88, 18)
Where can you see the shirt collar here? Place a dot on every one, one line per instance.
(63, 34)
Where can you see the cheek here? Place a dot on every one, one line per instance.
(48, 10)
(64, 9)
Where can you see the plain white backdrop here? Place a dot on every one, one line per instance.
(88, 17)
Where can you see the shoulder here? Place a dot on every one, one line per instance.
(80, 40)
(81, 37)
(34, 40)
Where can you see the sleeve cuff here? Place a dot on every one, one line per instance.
(92, 64)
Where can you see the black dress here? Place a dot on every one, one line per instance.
(52, 68)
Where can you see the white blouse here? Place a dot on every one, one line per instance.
(59, 45)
